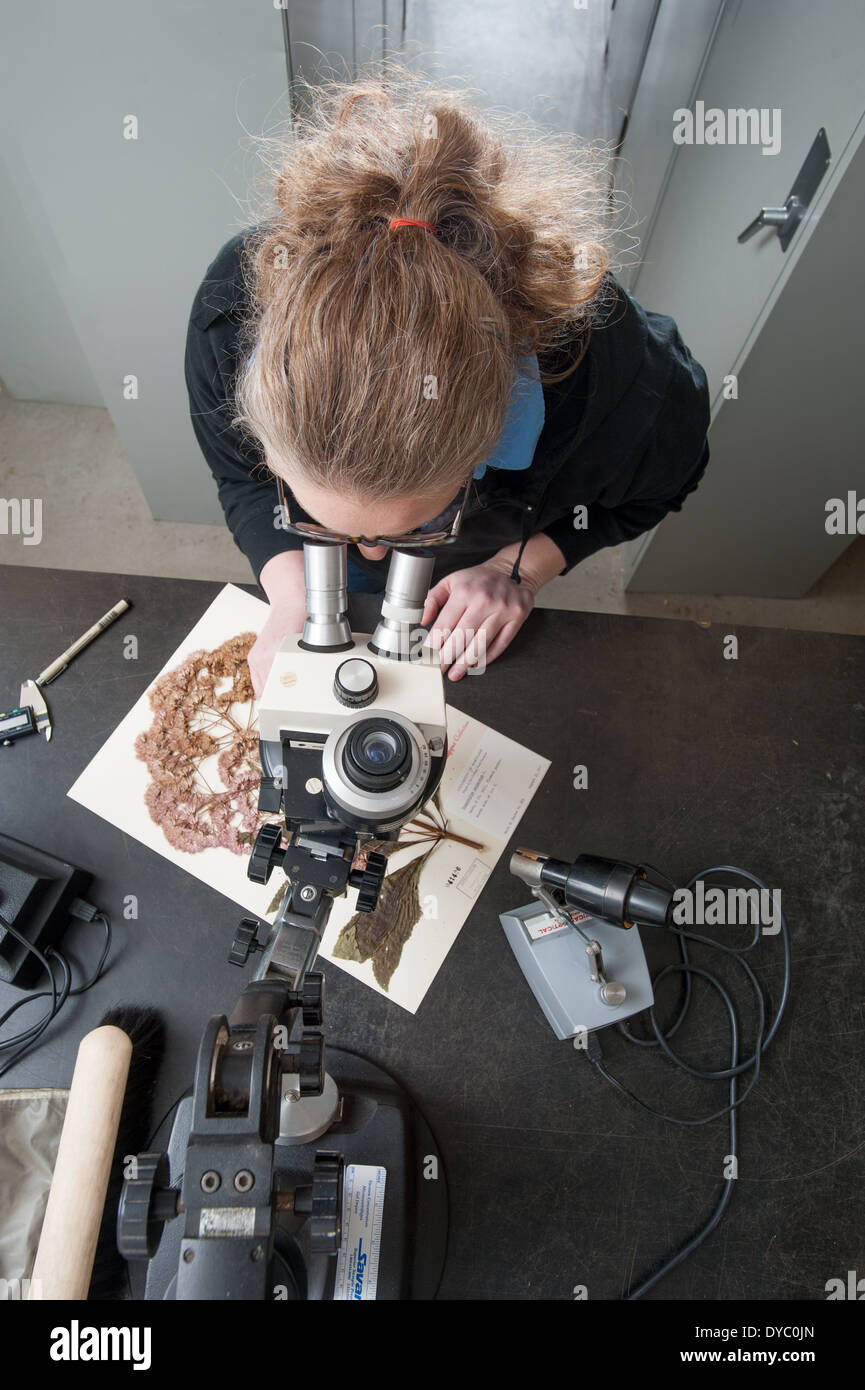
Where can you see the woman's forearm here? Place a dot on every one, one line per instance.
(541, 561)
(282, 579)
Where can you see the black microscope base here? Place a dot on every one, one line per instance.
(380, 1125)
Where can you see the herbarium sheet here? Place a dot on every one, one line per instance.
(180, 775)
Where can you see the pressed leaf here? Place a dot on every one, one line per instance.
(380, 936)
(276, 902)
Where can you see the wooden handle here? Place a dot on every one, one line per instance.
(73, 1216)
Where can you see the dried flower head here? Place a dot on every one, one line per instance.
(202, 751)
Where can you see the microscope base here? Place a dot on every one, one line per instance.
(379, 1125)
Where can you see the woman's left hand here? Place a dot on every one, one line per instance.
(477, 613)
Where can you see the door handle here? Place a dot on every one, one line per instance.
(787, 218)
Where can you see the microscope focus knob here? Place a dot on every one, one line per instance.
(325, 1222)
(368, 882)
(310, 1064)
(355, 683)
(613, 993)
(245, 942)
(266, 853)
(146, 1203)
(312, 1000)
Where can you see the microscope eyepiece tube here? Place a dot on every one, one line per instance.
(325, 571)
(402, 607)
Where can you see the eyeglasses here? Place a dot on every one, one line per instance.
(413, 540)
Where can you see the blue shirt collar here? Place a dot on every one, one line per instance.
(523, 423)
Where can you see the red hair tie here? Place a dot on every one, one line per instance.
(410, 222)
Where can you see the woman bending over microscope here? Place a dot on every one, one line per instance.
(423, 342)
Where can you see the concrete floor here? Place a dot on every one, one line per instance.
(95, 518)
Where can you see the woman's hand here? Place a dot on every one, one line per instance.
(283, 581)
(281, 621)
(477, 613)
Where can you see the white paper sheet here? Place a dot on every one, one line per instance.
(487, 784)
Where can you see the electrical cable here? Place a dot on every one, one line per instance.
(29, 1036)
(732, 1073)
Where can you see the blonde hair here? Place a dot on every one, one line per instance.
(381, 362)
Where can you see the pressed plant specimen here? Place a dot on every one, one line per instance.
(380, 936)
(203, 734)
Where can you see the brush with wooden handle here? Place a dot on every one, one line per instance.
(73, 1215)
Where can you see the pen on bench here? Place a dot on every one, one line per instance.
(45, 677)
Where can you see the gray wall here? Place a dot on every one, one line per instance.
(41, 357)
(106, 239)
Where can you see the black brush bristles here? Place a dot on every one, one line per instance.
(146, 1029)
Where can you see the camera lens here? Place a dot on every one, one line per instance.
(377, 756)
(378, 748)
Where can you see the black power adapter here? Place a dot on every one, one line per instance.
(38, 895)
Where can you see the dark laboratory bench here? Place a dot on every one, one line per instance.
(555, 1179)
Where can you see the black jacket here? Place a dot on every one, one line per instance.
(624, 435)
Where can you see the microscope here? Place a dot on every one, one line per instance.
(247, 1204)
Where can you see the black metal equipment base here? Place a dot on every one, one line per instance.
(380, 1124)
